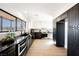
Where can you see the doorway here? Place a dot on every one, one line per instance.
(60, 33)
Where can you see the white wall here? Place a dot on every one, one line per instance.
(66, 33)
(41, 21)
(41, 24)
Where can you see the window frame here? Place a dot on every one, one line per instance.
(17, 25)
(23, 29)
(15, 20)
(0, 23)
(2, 30)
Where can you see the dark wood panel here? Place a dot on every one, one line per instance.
(77, 29)
(71, 32)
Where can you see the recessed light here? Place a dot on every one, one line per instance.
(36, 15)
(25, 11)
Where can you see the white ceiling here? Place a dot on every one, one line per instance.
(32, 10)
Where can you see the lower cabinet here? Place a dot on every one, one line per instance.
(10, 51)
(19, 49)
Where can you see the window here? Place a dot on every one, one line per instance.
(7, 25)
(23, 27)
(13, 26)
(0, 24)
(18, 25)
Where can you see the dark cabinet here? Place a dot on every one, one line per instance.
(19, 48)
(73, 30)
(77, 29)
(29, 41)
(10, 51)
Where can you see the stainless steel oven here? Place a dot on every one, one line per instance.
(22, 45)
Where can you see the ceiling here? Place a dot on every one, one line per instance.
(33, 10)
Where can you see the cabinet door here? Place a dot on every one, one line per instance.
(9, 51)
(77, 30)
(71, 32)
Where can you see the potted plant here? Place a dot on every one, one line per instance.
(10, 37)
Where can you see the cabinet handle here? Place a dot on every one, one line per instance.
(77, 26)
(73, 27)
